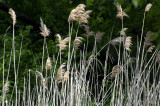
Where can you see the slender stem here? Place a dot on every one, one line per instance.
(14, 55)
(43, 52)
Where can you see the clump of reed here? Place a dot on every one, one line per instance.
(75, 82)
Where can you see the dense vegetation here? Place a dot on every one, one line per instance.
(84, 61)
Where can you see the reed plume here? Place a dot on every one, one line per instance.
(6, 87)
(115, 71)
(130, 61)
(91, 57)
(77, 42)
(44, 30)
(43, 80)
(48, 64)
(99, 36)
(128, 43)
(84, 17)
(88, 32)
(13, 15)
(79, 14)
(120, 12)
(76, 13)
(148, 7)
(62, 43)
(150, 49)
(66, 76)
(148, 40)
(60, 73)
(117, 41)
(123, 31)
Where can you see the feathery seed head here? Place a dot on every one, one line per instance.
(44, 30)
(48, 64)
(115, 71)
(118, 40)
(60, 73)
(81, 6)
(74, 15)
(5, 87)
(88, 32)
(148, 7)
(130, 61)
(66, 76)
(44, 82)
(150, 49)
(61, 46)
(123, 31)
(128, 43)
(59, 36)
(84, 17)
(120, 13)
(91, 57)
(77, 42)
(62, 43)
(148, 40)
(119, 8)
(79, 14)
(99, 36)
(13, 15)
(65, 41)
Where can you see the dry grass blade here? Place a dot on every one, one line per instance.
(158, 57)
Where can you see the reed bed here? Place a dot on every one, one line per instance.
(133, 81)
